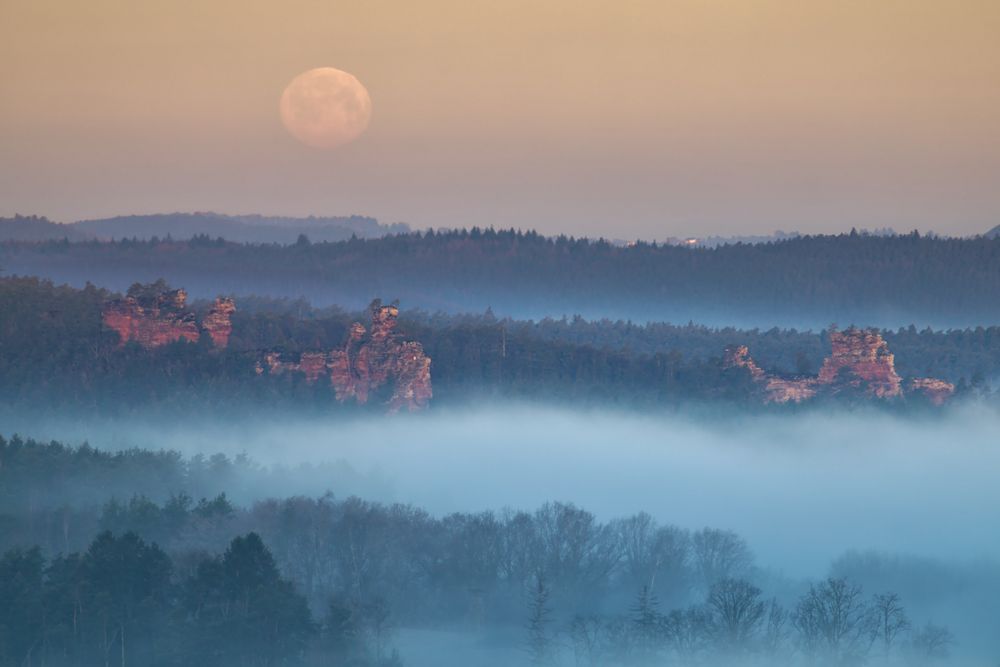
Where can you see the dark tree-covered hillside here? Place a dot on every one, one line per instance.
(56, 354)
(802, 282)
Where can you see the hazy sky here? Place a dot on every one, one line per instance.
(624, 119)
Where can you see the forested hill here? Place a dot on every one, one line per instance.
(55, 351)
(183, 226)
(803, 282)
(128, 540)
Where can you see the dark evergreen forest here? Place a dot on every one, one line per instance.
(803, 282)
(54, 352)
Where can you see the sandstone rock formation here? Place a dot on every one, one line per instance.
(776, 389)
(151, 318)
(154, 315)
(860, 361)
(861, 358)
(936, 391)
(368, 363)
(785, 390)
(218, 323)
(738, 356)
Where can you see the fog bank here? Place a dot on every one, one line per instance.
(801, 488)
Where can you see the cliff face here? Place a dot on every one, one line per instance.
(153, 315)
(368, 363)
(860, 361)
(738, 356)
(936, 391)
(861, 358)
(379, 362)
(152, 320)
(775, 389)
(795, 390)
(218, 323)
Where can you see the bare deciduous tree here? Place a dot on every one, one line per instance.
(736, 613)
(654, 556)
(686, 631)
(719, 554)
(890, 621)
(775, 629)
(834, 621)
(578, 551)
(585, 634)
(932, 642)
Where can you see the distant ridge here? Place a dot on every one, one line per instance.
(240, 229)
(993, 233)
(804, 282)
(182, 226)
(34, 228)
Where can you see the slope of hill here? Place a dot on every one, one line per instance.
(62, 347)
(183, 226)
(34, 228)
(239, 229)
(807, 282)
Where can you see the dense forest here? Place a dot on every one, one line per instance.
(805, 282)
(55, 352)
(109, 559)
(53, 349)
(972, 354)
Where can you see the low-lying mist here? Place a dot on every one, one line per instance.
(801, 488)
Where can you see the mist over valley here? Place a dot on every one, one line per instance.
(801, 487)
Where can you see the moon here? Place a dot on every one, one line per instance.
(325, 108)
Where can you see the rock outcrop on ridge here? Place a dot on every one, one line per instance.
(370, 363)
(859, 361)
(154, 315)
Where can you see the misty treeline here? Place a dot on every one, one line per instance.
(847, 278)
(37, 478)
(832, 623)
(124, 601)
(130, 558)
(970, 358)
(54, 351)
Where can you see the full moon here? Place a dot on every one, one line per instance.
(325, 107)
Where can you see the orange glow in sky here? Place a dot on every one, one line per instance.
(626, 119)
